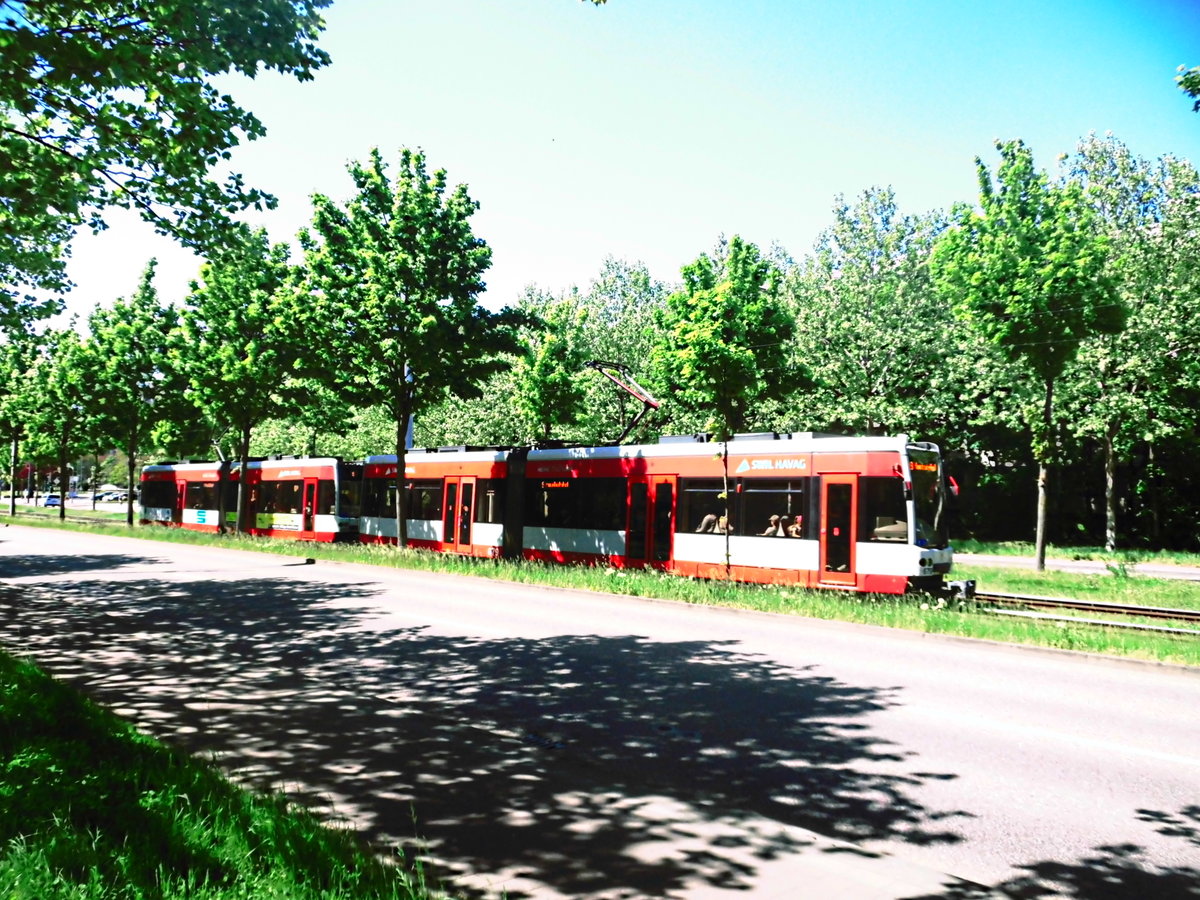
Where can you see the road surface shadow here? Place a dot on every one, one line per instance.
(37, 565)
(1113, 872)
(601, 766)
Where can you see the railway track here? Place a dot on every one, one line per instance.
(1028, 605)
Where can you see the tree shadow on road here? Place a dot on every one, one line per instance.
(35, 566)
(614, 766)
(1111, 872)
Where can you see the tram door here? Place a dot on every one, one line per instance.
(838, 527)
(180, 502)
(308, 526)
(651, 520)
(458, 510)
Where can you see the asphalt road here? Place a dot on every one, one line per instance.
(550, 743)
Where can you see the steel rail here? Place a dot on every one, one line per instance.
(1033, 602)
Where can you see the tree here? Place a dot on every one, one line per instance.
(239, 348)
(1028, 271)
(622, 305)
(61, 420)
(392, 317)
(107, 104)
(722, 347)
(129, 355)
(613, 320)
(549, 386)
(878, 340)
(1139, 386)
(16, 361)
(1189, 82)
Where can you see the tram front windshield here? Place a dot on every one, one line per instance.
(929, 496)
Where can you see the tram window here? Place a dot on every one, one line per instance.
(576, 503)
(230, 490)
(280, 496)
(374, 493)
(604, 503)
(326, 498)
(774, 507)
(489, 505)
(201, 495)
(349, 498)
(289, 496)
(702, 506)
(158, 494)
(424, 498)
(882, 510)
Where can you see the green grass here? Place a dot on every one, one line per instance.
(51, 512)
(1023, 548)
(91, 809)
(913, 613)
(1116, 585)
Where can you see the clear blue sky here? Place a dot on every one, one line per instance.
(643, 129)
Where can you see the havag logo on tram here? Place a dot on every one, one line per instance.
(772, 465)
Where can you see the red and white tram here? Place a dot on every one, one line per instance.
(306, 499)
(852, 513)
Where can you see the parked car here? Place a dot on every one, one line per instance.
(52, 500)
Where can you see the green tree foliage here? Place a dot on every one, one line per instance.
(549, 376)
(129, 356)
(239, 348)
(1028, 271)
(723, 342)
(1140, 386)
(613, 320)
(878, 341)
(61, 423)
(16, 400)
(623, 304)
(1189, 82)
(108, 104)
(393, 318)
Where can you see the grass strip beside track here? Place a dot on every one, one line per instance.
(914, 613)
(1099, 554)
(91, 809)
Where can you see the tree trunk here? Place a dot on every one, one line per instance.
(728, 518)
(1110, 491)
(401, 498)
(1040, 543)
(1044, 477)
(223, 476)
(12, 478)
(243, 477)
(1155, 505)
(64, 479)
(130, 473)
